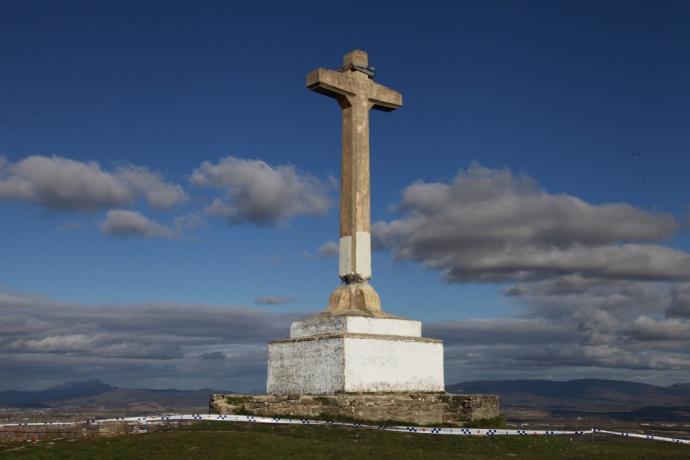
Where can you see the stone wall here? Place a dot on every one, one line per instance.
(76, 431)
(413, 408)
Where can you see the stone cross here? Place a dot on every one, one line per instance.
(356, 92)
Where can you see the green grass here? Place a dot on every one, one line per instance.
(255, 441)
(234, 400)
(493, 422)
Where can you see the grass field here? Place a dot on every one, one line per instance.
(254, 441)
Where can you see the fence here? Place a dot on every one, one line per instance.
(402, 428)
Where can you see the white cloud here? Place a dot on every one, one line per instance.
(135, 345)
(328, 249)
(612, 331)
(258, 193)
(158, 193)
(64, 184)
(124, 224)
(573, 327)
(183, 224)
(600, 295)
(56, 343)
(646, 328)
(490, 224)
(680, 305)
(60, 183)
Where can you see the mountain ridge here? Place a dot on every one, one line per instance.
(585, 397)
(95, 392)
(519, 398)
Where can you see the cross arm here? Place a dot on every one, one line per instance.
(383, 98)
(331, 83)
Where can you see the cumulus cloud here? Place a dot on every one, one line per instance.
(650, 329)
(273, 300)
(159, 345)
(622, 300)
(680, 306)
(64, 184)
(122, 223)
(159, 194)
(60, 183)
(573, 326)
(125, 224)
(617, 331)
(328, 249)
(258, 193)
(600, 296)
(493, 225)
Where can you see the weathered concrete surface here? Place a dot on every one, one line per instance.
(420, 408)
(358, 298)
(347, 362)
(356, 92)
(328, 324)
(329, 354)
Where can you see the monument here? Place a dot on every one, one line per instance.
(356, 92)
(353, 359)
(354, 346)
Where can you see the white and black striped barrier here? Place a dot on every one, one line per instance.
(404, 429)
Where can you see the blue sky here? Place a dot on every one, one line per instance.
(582, 100)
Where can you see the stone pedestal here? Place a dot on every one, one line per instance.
(402, 408)
(358, 368)
(329, 354)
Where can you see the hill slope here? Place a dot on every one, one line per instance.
(97, 398)
(587, 397)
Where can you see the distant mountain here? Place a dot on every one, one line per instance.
(611, 391)
(95, 396)
(16, 398)
(681, 386)
(520, 399)
(586, 397)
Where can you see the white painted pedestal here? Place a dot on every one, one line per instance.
(353, 354)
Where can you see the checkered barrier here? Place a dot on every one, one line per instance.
(644, 436)
(402, 429)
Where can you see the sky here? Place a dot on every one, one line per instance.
(168, 186)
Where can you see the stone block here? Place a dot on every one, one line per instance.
(329, 354)
(328, 324)
(441, 408)
(351, 363)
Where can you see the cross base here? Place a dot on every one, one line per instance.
(402, 407)
(356, 299)
(350, 354)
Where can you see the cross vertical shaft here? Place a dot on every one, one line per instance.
(355, 193)
(356, 92)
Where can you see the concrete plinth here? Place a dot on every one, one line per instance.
(410, 408)
(352, 354)
(329, 324)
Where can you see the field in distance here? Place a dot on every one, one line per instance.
(255, 441)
